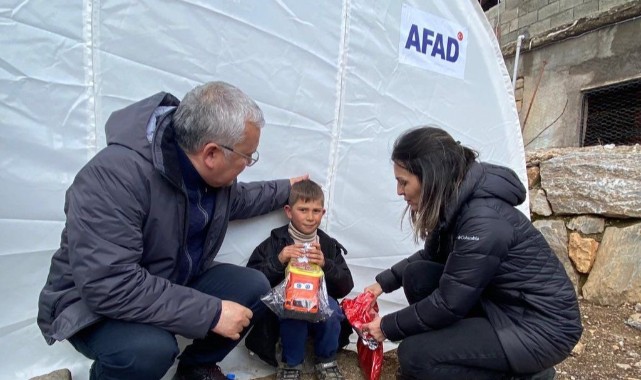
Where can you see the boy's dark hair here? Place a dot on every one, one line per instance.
(307, 191)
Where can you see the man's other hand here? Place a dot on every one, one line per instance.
(298, 179)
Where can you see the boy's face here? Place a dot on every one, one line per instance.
(305, 216)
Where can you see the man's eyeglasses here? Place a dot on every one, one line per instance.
(251, 160)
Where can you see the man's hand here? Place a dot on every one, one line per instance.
(290, 252)
(234, 318)
(298, 179)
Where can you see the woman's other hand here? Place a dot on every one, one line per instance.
(375, 289)
(374, 329)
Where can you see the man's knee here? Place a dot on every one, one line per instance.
(145, 358)
(249, 285)
(254, 283)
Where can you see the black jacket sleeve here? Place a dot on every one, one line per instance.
(338, 277)
(265, 259)
(392, 279)
(470, 266)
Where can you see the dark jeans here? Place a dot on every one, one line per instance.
(127, 350)
(467, 349)
(294, 332)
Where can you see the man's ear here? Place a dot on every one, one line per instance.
(212, 155)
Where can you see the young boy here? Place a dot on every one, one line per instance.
(305, 210)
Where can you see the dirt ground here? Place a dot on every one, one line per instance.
(609, 349)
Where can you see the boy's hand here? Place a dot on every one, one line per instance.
(290, 252)
(315, 255)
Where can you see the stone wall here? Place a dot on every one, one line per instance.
(587, 204)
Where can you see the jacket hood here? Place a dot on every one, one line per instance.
(129, 126)
(500, 182)
(485, 180)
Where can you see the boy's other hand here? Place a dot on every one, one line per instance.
(290, 252)
(234, 317)
(315, 255)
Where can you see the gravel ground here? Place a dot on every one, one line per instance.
(609, 349)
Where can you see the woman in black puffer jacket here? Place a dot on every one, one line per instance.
(488, 297)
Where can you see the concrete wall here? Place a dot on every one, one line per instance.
(514, 17)
(557, 63)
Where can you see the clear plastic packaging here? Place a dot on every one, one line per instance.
(302, 294)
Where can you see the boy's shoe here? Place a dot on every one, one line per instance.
(202, 372)
(328, 371)
(286, 372)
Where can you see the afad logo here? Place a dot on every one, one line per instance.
(426, 41)
(432, 43)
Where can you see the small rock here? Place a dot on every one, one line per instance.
(615, 347)
(637, 364)
(60, 374)
(633, 354)
(637, 308)
(578, 349)
(634, 321)
(623, 366)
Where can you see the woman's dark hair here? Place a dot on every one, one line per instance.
(440, 163)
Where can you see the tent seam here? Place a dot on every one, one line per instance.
(338, 116)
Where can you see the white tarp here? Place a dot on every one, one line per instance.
(338, 82)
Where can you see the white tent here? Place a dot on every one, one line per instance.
(338, 82)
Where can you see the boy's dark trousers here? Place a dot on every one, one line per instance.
(467, 349)
(128, 350)
(294, 332)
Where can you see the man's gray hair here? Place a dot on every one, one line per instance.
(214, 112)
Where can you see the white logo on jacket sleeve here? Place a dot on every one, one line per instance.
(432, 43)
(468, 237)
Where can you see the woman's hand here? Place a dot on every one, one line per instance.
(374, 329)
(375, 289)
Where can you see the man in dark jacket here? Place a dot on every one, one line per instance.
(145, 219)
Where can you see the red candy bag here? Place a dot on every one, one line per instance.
(358, 311)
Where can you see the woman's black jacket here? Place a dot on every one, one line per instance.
(494, 257)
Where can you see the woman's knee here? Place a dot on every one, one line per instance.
(420, 279)
(414, 358)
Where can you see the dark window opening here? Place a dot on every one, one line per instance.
(612, 115)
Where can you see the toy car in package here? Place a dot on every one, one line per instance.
(302, 294)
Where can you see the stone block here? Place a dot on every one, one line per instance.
(61, 374)
(539, 203)
(547, 11)
(582, 252)
(587, 224)
(615, 278)
(556, 235)
(596, 181)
